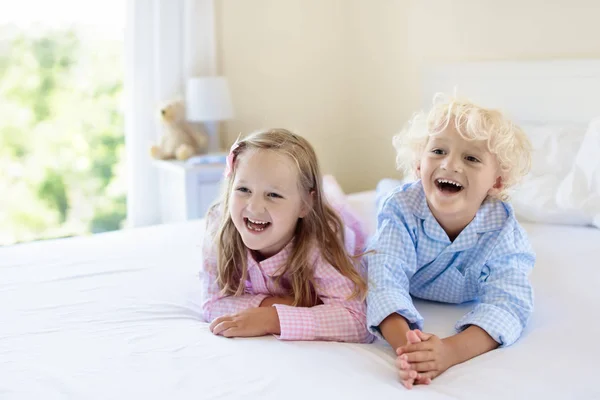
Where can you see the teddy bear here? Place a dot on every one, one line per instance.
(180, 140)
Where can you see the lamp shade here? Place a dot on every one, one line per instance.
(207, 99)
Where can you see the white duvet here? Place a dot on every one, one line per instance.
(117, 316)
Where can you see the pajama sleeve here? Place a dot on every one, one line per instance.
(339, 318)
(215, 304)
(506, 295)
(391, 264)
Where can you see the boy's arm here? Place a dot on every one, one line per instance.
(393, 329)
(391, 262)
(469, 343)
(506, 302)
(432, 355)
(506, 295)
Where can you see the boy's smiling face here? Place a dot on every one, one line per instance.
(457, 176)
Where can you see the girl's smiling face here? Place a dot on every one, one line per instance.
(265, 202)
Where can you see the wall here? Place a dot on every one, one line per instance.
(286, 62)
(379, 40)
(346, 73)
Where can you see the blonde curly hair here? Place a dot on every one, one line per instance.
(505, 139)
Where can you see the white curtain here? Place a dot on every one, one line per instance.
(167, 41)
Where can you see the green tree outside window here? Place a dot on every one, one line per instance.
(61, 134)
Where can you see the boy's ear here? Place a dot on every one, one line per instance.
(418, 170)
(308, 204)
(497, 187)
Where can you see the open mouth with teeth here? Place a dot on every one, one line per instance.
(255, 225)
(448, 186)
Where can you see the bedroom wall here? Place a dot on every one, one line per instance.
(346, 73)
(469, 30)
(286, 61)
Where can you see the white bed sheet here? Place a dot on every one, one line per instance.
(117, 316)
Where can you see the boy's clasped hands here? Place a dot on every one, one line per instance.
(424, 357)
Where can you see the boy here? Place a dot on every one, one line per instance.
(451, 237)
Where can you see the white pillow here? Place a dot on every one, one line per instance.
(564, 182)
(580, 189)
(555, 147)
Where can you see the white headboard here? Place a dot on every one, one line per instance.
(533, 91)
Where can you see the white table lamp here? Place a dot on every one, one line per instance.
(207, 100)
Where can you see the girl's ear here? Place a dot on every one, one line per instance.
(497, 187)
(308, 204)
(418, 171)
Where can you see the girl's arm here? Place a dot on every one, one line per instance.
(337, 319)
(272, 300)
(214, 304)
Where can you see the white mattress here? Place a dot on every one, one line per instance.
(117, 316)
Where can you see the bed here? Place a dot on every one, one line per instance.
(117, 316)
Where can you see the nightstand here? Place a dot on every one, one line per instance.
(187, 191)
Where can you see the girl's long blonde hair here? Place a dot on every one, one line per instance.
(321, 227)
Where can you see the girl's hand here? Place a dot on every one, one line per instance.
(252, 322)
(428, 359)
(269, 301)
(285, 300)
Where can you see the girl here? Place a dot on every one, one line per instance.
(275, 253)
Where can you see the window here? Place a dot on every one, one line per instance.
(61, 122)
